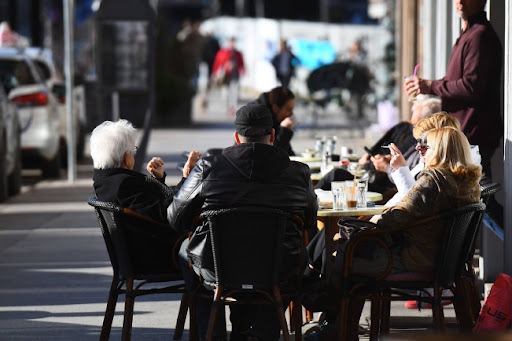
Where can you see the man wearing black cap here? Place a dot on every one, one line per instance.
(250, 173)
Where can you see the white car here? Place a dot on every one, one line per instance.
(10, 148)
(37, 109)
(43, 59)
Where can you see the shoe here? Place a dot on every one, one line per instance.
(414, 304)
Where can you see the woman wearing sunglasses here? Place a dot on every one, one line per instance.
(404, 177)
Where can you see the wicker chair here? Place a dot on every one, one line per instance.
(141, 251)
(459, 224)
(247, 252)
(466, 286)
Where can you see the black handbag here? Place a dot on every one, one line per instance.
(199, 249)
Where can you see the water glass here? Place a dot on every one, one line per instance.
(338, 195)
(362, 190)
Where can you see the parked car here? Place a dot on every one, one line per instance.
(37, 110)
(10, 148)
(43, 59)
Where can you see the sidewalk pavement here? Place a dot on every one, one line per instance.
(54, 268)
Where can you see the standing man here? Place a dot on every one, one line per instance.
(284, 62)
(470, 90)
(229, 65)
(252, 172)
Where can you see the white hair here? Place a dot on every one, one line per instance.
(428, 105)
(110, 141)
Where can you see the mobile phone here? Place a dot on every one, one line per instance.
(366, 149)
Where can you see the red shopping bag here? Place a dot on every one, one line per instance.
(496, 314)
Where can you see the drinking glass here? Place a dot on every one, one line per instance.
(362, 189)
(338, 194)
(412, 97)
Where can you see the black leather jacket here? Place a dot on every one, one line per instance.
(244, 175)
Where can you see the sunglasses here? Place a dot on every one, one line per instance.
(423, 144)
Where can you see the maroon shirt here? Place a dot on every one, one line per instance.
(470, 90)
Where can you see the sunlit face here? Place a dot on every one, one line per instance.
(421, 147)
(285, 111)
(467, 8)
(429, 154)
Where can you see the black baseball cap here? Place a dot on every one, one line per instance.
(253, 120)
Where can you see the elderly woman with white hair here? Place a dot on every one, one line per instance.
(113, 153)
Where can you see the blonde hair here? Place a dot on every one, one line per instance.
(437, 120)
(451, 151)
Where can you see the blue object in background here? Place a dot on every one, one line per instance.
(313, 53)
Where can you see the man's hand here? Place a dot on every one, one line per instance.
(156, 167)
(193, 157)
(288, 123)
(415, 86)
(397, 159)
(381, 162)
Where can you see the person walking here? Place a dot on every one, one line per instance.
(284, 62)
(228, 66)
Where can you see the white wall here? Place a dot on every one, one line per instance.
(258, 39)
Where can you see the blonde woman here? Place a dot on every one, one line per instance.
(450, 180)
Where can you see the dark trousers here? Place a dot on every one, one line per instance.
(494, 209)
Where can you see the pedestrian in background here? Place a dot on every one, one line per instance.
(284, 62)
(228, 66)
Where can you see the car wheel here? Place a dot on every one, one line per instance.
(51, 168)
(15, 177)
(3, 176)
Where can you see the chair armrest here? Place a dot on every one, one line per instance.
(376, 235)
(356, 240)
(130, 212)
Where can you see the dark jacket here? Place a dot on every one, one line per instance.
(434, 191)
(134, 190)
(244, 175)
(400, 134)
(470, 90)
(283, 135)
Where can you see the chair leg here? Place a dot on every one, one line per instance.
(343, 319)
(297, 319)
(193, 331)
(375, 316)
(280, 311)
(129, 303)
(217, 301)
(111, 309)
(385, 313)
(182, 315)
(437, 309)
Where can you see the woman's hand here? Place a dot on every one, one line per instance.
(287, 123)
(397, 159)
(156, 167)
